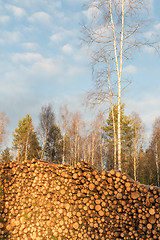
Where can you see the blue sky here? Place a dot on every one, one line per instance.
(42, 61)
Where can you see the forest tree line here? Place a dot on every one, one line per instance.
(72, 140)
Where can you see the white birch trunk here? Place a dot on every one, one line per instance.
(92, 151)
(100, 145)
(157, 162)
(119, 72)
(135, 153)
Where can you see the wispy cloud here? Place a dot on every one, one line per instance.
(67, 49)
(36, 66)
(91, 11)
(10, 37)
(26, 57)
(61, 35)
(130, 69)
(31, 46)
(4, 19)
(40, 17)
(147, 107)
(17, 11)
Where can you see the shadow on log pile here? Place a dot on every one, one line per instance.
(45, 201)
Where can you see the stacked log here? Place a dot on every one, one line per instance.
(45, 201)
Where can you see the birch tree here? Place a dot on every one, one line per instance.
(156, 146)
(75, 138)
(96, 141)
(126, 134)
(3, 124)
(138, 135)
(114, 31)
(47, 121)
(64, 120)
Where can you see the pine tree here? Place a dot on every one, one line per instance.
(25, 140)
(53, 150)
(6, 156)
(127, 133)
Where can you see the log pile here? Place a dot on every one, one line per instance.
(46, 201)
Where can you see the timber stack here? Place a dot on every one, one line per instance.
(45, 201)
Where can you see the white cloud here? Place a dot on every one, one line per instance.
(57, 37)
(30, 45)
(130, 69)
(4, 19)
(26, 57)
(91, 11)
(41, 17)
(17, 11)
(36, 4)
(45, 69)
(36, 66)
(157, 26)
(10, 84)
(73, 2)
(67, 49)
(2, 41)
(148, 49)
(149, 4)
(61, 35)
(10, 37)
(150, 35)
(83, 55)
(147, 107)
(75, 71)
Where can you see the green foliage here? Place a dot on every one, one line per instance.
(25, 139)
(6, 156)
(127, 134)
(53, 148)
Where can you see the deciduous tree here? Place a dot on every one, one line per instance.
(47, 121)
(155, 146)
(3, 124)
(138, 135)
(65, 116)
(114, 33)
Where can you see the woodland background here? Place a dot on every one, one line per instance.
(71, 139)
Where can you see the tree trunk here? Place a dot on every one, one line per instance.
(44, 142)
(157, 161)
(63, 158)
(92, 151)
(113, 119)
(135, 157)
(26, 148)
(119, 72)
(100, 144)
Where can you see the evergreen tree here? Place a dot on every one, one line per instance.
(6, 156)
(25, 140)
(127, 133)
(53, 149)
